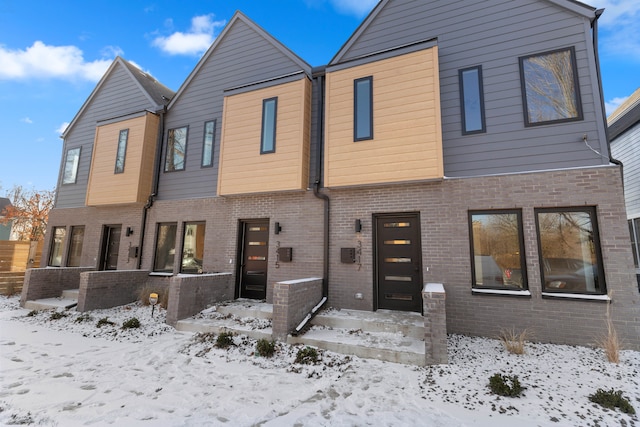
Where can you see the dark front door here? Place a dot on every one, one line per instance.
(398, 262)
(254, 259)
(110, 247)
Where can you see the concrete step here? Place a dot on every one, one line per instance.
(51, 304)
(383, 335)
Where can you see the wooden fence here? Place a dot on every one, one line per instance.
(15, 258)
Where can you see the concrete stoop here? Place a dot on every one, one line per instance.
(383, 335)
(67, 301)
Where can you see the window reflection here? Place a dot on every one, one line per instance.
(193, 248)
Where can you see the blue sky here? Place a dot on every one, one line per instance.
(52, 54)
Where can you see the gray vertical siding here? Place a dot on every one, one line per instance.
(626, 148)
(494, 34)
(243, 56)
(119, 95)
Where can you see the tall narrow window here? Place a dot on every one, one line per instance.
(57, 246)
(207, 143)
(176, 149)
(122, 150)
(634, 231)
(165, 247)
(193, 247)
(71, 162)
(569, 247)
(363, 109)
(269, 113)
(471, 100)
(75, 246)
(497, 246)
(549, 83)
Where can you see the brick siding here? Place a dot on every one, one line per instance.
(191, 294)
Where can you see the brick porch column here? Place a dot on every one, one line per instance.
(435, 324)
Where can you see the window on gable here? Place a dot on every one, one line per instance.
(75, 246)
(363, 109)
(269, 113)
(58, 238)
(471, 100)
(569, 250)
(192, 247)
(165, 247)
(497, 247)
(71, 162)
(550, 88)
(207, 143)
(176, 149)
(122, 150)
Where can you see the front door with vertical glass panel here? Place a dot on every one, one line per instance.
(110, 248)
(254, 259)
(398, 262)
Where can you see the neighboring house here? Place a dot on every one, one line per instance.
(5, 229)
(452, 142)
(624, 133)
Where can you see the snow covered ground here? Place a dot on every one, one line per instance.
(69, 372)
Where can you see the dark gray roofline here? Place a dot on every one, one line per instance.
(624, 122)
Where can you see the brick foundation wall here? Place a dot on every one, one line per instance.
(106, 289)
(190, 294)
(443, 208)
(42, 283)
(292, 301)
(435, 324)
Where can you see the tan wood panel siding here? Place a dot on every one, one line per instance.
(134, 184)
(407, 132)
(242, 168)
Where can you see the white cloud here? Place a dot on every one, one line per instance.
(620, 32)
(62, 128)
(611, 105)
(193, 42)
(26, 120)
(44, 61)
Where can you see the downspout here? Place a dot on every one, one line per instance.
(316, 185)
(594, 32)
(154, 185)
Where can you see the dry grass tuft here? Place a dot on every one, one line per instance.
(610, 342)
(514, 341)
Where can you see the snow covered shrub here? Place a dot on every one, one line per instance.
(104, 321)
(57, 315)
(131, 323)
(612, 399)
(224, 340)
(307, 356)
(513, 341)
(32, 313)
(265, 348)
(505, 385)
(84, 317)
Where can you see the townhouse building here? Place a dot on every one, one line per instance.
(457, 143)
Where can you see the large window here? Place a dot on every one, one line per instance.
(363, 109)
(75, 246)
(207, 143)
(269, 113)
(550, 90)
(634, 230)
(71, 162)
(176, 150)
(57, 246)
(165, 247)
(497, 247)
(471, 100)
(122, 150)
(569, 247)
(193, 247)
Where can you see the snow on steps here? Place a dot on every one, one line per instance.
(68, 300)
(383, 335)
